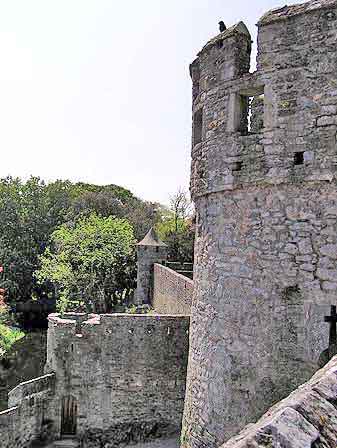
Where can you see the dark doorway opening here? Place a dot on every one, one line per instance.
(69, 416)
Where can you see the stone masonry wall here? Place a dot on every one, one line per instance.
(127, 373)
(266, 264)
(24, 422)
(307, 418)
(24, 361)
(172, 292)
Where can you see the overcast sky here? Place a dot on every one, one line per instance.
(99, 90)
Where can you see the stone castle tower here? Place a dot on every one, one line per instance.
(263, 180)
(150, 250)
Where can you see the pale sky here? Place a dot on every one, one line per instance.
(99, 90)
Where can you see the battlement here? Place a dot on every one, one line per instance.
(244, 132)
(287, 12)
(80, 324)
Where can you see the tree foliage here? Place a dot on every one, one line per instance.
(91, 263)
(176, 228)
(31, 211)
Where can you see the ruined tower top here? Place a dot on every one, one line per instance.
(294, 10)
(238, 28)
(244, 127)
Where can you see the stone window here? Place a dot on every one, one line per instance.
(299, 158)
(251, 112)
(247, 111)
(256, 114)
(237, 166)
(197, 126)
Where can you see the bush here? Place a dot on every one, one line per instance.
(8, 336)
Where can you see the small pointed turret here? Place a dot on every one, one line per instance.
(150, 250)
(151, 239)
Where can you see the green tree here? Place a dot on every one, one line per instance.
(176, 228)
(28, 215)
(91, 263)
(30, 212)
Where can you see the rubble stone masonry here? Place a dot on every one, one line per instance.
(124, 372)
(266, 202)
(23, 422)
(172, 292)
(306, 418)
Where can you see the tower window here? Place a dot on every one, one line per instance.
(220, 43)
(237, 166)
(197, 127)
(247, 111)
(299, 158)
(252, 111)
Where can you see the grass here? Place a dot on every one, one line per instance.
(8, 336)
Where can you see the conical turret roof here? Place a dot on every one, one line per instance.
(151, 239)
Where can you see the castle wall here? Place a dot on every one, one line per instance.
(127, 373)
(172, 292)
(26, 420)
(266, 270)
(306, 418)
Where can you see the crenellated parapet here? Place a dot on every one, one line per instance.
(296, 58)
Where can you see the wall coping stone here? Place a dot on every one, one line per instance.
(183, 277)
(8, 411)
(307, 414)
(31, 387)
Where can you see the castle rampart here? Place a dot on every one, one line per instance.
(266, 202)
(172, 292)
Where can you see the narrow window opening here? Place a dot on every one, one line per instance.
(220, 43)
(251, 115)
(195, 75)
(299, 158)
(256, 114)
(197, 127)
(237, 166)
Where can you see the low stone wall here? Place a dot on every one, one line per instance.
(41, 387)
(23, 362)
(172, 292)
(22, 424)
(307, 418)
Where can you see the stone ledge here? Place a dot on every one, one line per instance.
(306, 417)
